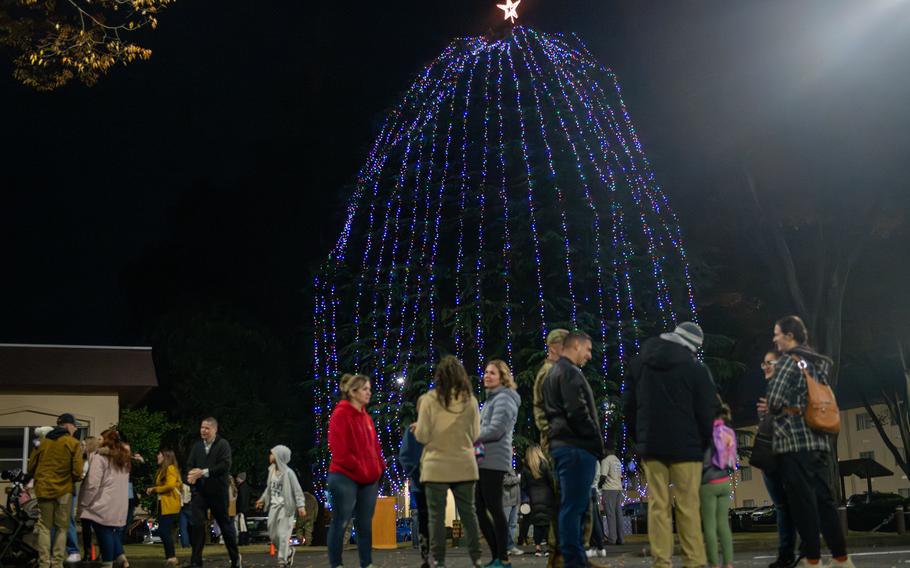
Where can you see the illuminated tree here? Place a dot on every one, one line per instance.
(507, 194)
(57, 40)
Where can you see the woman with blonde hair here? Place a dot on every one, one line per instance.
(537, 484)
(497, 420)
(167, 485)
(448, 423)
(103, 497)
(355, 469)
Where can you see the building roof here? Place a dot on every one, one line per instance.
(127, 371)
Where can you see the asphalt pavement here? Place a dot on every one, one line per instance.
(893, 555)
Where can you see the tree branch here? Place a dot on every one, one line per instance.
(885, 438)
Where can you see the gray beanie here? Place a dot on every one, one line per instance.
(687, 334)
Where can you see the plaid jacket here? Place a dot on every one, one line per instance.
(788, 389)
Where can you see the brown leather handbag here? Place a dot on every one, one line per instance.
(822, 413)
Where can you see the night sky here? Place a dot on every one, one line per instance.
(220, 167)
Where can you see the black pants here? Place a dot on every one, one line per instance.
(540, 533)
(490, 514)
(166, 526)
(524, 524)
(217, 502)
(597, 530)
(807, 482)
(423, 527)
(87, 539)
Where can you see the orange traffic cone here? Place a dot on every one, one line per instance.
(272, 551)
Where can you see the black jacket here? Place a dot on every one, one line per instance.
(670, 402)
(540, 495)
(569, 406)
(217, 461)
(243, 498)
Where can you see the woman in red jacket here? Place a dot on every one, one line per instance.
(355, 469)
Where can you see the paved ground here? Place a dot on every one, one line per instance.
(894, 553)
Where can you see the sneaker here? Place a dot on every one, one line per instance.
(845, 564)
(73, 558)
(804, 563)
(590, 552)
(602, 553)
(515, 551)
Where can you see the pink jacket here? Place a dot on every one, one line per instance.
(105, 492)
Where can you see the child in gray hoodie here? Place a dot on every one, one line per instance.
(283, 500)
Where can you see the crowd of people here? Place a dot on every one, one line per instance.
(570, 485)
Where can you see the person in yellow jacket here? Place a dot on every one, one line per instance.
(55, 466)
(167, 485)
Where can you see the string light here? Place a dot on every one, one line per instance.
(512, 157)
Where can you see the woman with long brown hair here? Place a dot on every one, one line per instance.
(167, 486)
(448, 423)
(103, 497)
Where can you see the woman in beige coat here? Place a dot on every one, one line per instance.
(448, 423)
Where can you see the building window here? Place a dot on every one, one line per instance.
(13, 448)
(867, 455)
(905, 493)
(864, 422)
(745, 474)
(748, 502)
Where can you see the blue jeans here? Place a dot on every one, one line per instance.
(575, 470)
(786, 530)
(186, 516)
(349, 498)
(512, 515)
(110, 540)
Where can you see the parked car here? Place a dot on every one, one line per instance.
(874, 511)
(741, 518)
(637, 514)
(258, 529)
(764, 516)
(143, 531)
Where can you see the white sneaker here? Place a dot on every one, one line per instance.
(515, 551)
(73, 558)
(602, 553)
(845, 564)
(591, 552)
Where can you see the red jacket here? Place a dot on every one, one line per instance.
(354, 445)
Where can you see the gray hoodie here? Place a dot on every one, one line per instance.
(497, 420)
(279, 472)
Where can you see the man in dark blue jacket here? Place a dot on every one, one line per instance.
(670, 405)
(575, 441)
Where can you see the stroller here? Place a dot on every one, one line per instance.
(17, 523)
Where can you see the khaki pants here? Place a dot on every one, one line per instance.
(686, 480)
(54, 513)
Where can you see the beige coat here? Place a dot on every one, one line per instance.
(448, 435)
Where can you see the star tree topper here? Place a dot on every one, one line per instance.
(510, 9)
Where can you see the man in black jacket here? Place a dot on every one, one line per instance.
(208, 468)
(670, 405)
(575, 441)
